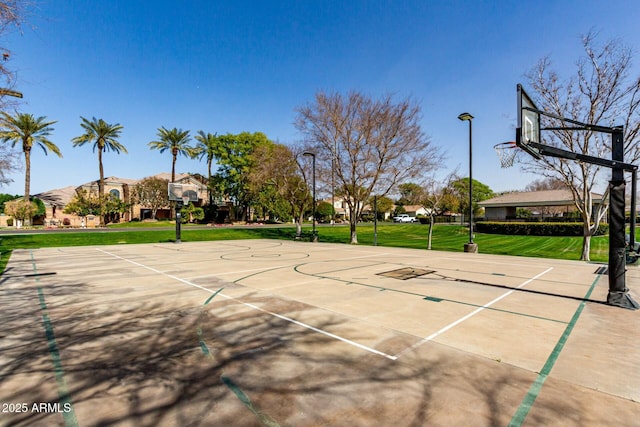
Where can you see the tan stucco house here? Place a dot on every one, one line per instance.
(121, 188)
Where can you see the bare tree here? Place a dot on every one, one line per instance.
(297, 186)
(370, 145)
(9, 163)
(602, 92)
(12, 15)
(547, 184)
(437, 198)
(284, 170)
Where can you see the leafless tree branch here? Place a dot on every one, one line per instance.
(601, 92)
(371, 145)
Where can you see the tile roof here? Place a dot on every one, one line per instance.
(133, 181)
(58, 197)
(62, 196)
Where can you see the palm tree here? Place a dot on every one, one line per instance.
(207, 144)
(28, 130)
(104, 137)
(175, 140)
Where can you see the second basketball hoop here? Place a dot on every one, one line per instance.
(506, 153)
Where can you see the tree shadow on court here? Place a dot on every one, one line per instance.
(564, 405)
(150, 363)
(155, 361)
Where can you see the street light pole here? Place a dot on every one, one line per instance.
(375, 220)
(314, 237)
(333, 184)
(470, 247)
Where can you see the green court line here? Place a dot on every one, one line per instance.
(203, 344)
(536, 387)
(201, 341)
(212, 296)
(263, 418)
(423, 296)
(357, 267)
(70, 419)
(260, 272)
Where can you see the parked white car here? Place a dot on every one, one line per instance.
(404, 218)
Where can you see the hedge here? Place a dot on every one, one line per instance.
(537, 228)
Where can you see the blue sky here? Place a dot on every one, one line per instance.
(233, 66)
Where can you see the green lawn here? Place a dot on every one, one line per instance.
(453, 237)
(143, 224)
(445, 238)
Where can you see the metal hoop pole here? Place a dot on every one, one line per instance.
(632, 219)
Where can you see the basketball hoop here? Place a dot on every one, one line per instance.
(506, 152)
(181, 192)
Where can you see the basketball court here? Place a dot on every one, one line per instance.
(279, 333)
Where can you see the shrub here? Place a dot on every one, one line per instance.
(367, 217)
(537, 228)
(21, 209)
(7, 198)
(191, 213)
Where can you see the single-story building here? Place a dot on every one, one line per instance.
(416, 210)
(547, 203)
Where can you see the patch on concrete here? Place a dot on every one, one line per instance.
(406, 273)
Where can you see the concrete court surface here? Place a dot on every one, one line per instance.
(278, 333)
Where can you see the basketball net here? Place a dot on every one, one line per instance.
(506, 152)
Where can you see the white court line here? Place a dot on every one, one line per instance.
(279, 316)
(473, 313)
(283, 266)
(479, 261)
